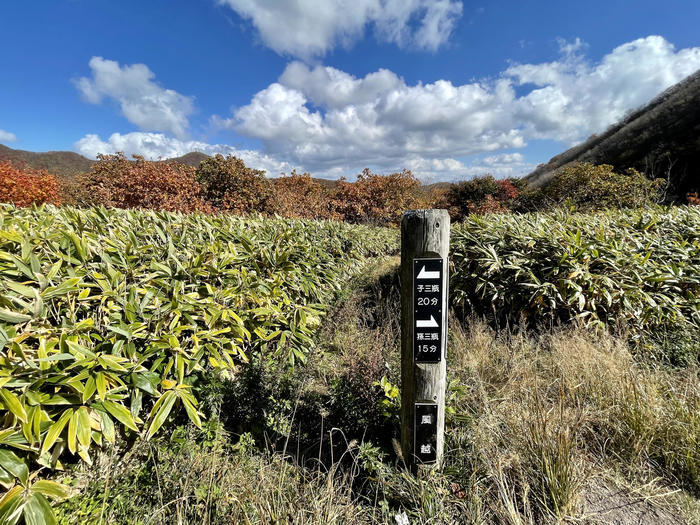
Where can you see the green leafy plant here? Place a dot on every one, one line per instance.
(229, 185)
(108, 322)
(638, 268)
(390, 403)
(26, 497)
(589, 186)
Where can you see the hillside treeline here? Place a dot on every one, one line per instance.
(226, 185)
(659, 139)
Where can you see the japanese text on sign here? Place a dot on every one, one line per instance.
(425, 432)
(428, 290)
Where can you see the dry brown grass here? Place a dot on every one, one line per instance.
(548, 412)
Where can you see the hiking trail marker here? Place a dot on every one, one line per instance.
(425, 238)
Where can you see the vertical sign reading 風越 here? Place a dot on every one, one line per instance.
(425, 432)
(428, 290)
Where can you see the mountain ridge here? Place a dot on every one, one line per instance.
(68, 164)
(660, 139)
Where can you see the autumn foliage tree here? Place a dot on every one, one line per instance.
(118, 182)
(299, 196)
(481, 195)
(229, 185)
(588, 186)
(24, 186)
(375, 199)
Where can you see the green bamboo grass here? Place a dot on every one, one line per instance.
(637, 268)
(108, 316)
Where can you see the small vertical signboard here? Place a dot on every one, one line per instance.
(425, 239)
(425, 433)
(427, 310)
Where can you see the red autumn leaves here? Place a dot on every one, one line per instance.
(22, 187)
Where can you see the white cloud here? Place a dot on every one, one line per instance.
(569, 49)
(574, 98)
(500, 166)
(331, 123)
(377, 120)
(6, 136)
(155, 146)
(308, 28)
(142, 101)
(504, 158)
(328, 120)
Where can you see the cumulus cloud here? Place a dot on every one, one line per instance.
(505, 158)
(324, 118)
(155, 146)
(6, 136)
(376, 120)
(500, 166)
(308, 28)
(331, 123)
(143, 101)
(573, 98)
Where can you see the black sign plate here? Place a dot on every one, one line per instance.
(425, 432)
(428, 290)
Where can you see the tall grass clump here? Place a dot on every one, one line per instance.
(537, 421)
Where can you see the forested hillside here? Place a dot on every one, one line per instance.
(661, 139)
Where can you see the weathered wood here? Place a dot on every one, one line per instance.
(424, 233)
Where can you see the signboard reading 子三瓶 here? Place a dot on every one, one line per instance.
(428, 290)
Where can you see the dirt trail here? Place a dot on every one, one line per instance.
(606, 504)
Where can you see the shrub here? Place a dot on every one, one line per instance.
(229, 185)
(198, 476)
(693, 198)
(299, 196)
(75, 191)
(375, 199)
(23, 187)
(638, 267)
(118, 182)
(108, 322)
(481, 195)
(587, 186)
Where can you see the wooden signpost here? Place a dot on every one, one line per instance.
(425, 239)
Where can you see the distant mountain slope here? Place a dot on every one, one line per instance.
(191, 159)
(61, 163)
(661, 135)
(69, 164)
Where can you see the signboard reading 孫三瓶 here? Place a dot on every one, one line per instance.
(428, 290)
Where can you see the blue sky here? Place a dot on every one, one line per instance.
(447, 88)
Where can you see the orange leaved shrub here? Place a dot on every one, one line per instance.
(118, 182)
(375, 199)
(22, 187)
(299, 196)
(693, 198)
(229, 185)
(481, 195)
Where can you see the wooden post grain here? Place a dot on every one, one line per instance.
(424, 234)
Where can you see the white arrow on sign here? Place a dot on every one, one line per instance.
(430, 323)
(424, 274)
